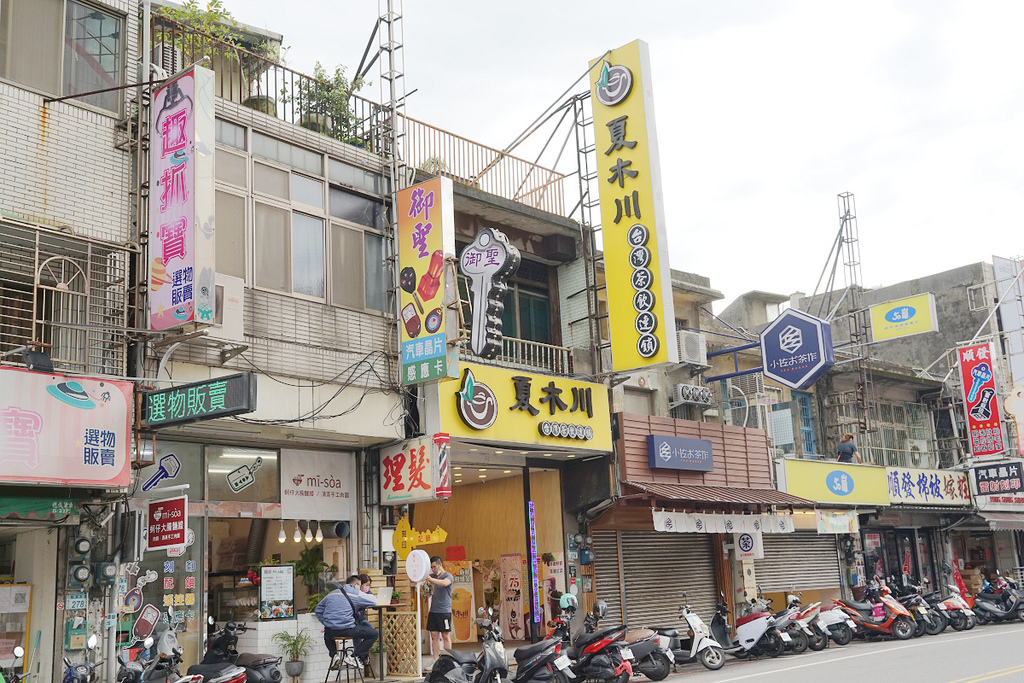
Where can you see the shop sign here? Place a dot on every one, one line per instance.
(713, 523)
(999, 486)
(181, 208)
(511, 618)
(48, 509)
(463, 602)
(836, 521)
(405, 538)
(206, 400)
(167, 523)
(903, 317)
(487, 262)
(927, 487)
(425, 240)
(410, 473)
(632, 213)
(56, 429)
(499, 405)
(832, 482)
(872, 541)
(318, 485)
(749, 545)
(796, 349)
(678, 453)
(980, 398)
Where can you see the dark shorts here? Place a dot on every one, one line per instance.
(439, 622)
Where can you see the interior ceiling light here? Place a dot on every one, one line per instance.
(571, 455)
(281, 535)
(482, 469)
(524, 452)
(319, 533)
(498, 452)
(482, 476)
(309, 533)
(297, 536)
(506, 471)
(456, 468)
(473, 450)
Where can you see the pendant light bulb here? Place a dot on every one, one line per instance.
(309, 533)
(297, 536)
(281, 536)
(319, 533)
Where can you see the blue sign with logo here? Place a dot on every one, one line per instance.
(678, 453)
(839, 483)
(900, 314)
(796, 349)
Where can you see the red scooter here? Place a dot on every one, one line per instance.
(597, 654)
(885, 617)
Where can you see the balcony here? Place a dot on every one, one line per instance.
(530, 356)
(260, 83)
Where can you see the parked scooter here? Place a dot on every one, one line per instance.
(789, 621)
(926, 619)
(755, 633)
(1004, 603)
(885, 617)
(217, 665)
(651, 656)
(840, 627)
(810, 616)
(11, 675)
(489, 666)
(598, 654)
(86, 671)
(958, 613)
(697, 645)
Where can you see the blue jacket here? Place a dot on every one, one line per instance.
(335, 612)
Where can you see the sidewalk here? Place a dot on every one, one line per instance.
(510, 648)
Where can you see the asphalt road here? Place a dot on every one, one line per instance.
(985, 653)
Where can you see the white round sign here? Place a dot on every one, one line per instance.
(417, 565)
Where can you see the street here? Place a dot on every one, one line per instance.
(949, 657)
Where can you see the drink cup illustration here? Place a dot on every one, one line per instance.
(462, 608)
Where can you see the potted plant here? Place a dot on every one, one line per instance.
(396, 597)
(376, 659)
(322, 102)
(310, 567)
(294, 647)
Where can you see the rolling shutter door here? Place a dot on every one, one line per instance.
(806, 560)
(606, 573)
(658, 567)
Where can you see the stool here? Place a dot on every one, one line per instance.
(344, 649)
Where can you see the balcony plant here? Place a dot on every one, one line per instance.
(322, 103)
(294, 647)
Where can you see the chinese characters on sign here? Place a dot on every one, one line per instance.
(487, 262)
(219, 397)
(981, 403)
(182, 252)
(425, 241)
(167, 523)
(317, 485)
(796, 349)
(632, 214)
(903, 317)
(927, 487)
(999, 481)
(678, 453)
(408, 474)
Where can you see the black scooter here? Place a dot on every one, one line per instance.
(1006, 604)
(221, 659)
(453, 666)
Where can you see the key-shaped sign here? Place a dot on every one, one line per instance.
(167, 468)
(488, 261)
(243, 475)
(981, 374)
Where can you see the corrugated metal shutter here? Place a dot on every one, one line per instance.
(659, 567)
(806, 560)
(606, 573)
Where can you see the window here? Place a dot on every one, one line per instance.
(803, 402)
(230, 210)
(230, 134)
(527, 314)
(289, 251)
(92, 54)
(287, 154)
(308, 255)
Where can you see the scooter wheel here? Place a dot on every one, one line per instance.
(972, 621)
(712, 658)
(655, 666)
(774, 646)
(959, 621)
(903, 628)
(980, 618)
(819, 641)
(798, 641)
(936, 623)
(919, 627)
(842, 634)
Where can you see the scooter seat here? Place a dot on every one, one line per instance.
(989, 597)
(253, 661)
(751, 617)
(527, 651)
(862, 606)
(462, 657)
(668, 632)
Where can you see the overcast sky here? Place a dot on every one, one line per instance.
(765, 112)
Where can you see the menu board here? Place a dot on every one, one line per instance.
(277, 592)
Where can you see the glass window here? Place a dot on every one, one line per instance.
(307, 255)
(30, 42)
(230, 210)
(353, 176)
(235, 473)
(307, 191)
(356, 208)
(92, 55)
(287, 154)
(347, 266)
(230, 134)
(377, 282)
(527, 314)
(271, 181)
(231, 168)
(271, 248)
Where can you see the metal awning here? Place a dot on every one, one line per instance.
(1004, 521)
(718, 494)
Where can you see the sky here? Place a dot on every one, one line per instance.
(765, 112)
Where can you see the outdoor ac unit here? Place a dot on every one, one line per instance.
(692, 393)
(229, 318)
(168, 58)
(693, 347)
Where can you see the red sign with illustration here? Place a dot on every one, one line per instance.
(167, 523)
(981, 402)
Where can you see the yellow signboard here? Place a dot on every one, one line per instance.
(406, 538)
(639, 281)
(494, 404)
(903, 317)
(833, 482)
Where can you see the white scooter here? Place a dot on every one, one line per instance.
(699, 645)
(839, 625)
(755, 633)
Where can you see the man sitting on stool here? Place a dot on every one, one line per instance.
(337, 613)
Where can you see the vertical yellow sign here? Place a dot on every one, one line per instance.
(638, 278)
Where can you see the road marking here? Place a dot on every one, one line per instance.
(988, 675)
(934, 640)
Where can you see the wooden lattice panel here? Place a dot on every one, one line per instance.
(400, 634)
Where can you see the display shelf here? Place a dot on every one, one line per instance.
(235, 598)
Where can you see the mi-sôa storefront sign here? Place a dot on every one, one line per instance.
(832, 482)
(514, 406)
(56, 429)
(206, 400)
(927, 487)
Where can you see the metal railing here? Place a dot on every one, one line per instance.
(522, 354)
(258, 82)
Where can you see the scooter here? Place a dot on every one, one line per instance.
(1003, 604)
(885, 617)
(838, 624)
(651, 656)
(697, 645)
(453, 666)
(958, 613)
(786, 621)
(86, 671)
(162, 669)
(601, 655)
(926, 619)
(755, 633)
(11, 675)
(217, 666)
(810, 616)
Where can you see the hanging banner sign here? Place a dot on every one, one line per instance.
(412, 473)
(981, 402)
(749, 545)
(206, 400)
(713, 523)
(511, 619)
(927, 487)
(837, 522)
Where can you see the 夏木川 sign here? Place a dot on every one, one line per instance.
(182, 256)
(56, 429)
(218, 397)
(927, 487)
(414, 472)
(425, 239)
(678, 453)
(903, 317)
(493, 404)
(796, 349)
(981, 402)
(632, 213)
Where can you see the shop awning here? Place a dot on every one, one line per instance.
(718, 494)
(1003, 521)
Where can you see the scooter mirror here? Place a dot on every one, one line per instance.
(92, 641)
(210, 620)
(480, 612)
(148, 642)
(19, 651)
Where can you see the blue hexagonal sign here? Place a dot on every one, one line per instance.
(796, 349)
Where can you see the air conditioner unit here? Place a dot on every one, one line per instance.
(229, 317)
(693, 347)
(168, 58)
(693, 393)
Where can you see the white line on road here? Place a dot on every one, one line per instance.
(934, 641)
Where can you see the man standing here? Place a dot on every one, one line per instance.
(337, 612)
(439, 619)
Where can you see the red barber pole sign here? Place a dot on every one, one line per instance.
(167, 523)
(981, 401)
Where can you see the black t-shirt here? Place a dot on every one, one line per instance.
(846, 449)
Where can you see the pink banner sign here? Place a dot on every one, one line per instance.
(981, 403)
(56, 429)
(512, 596)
